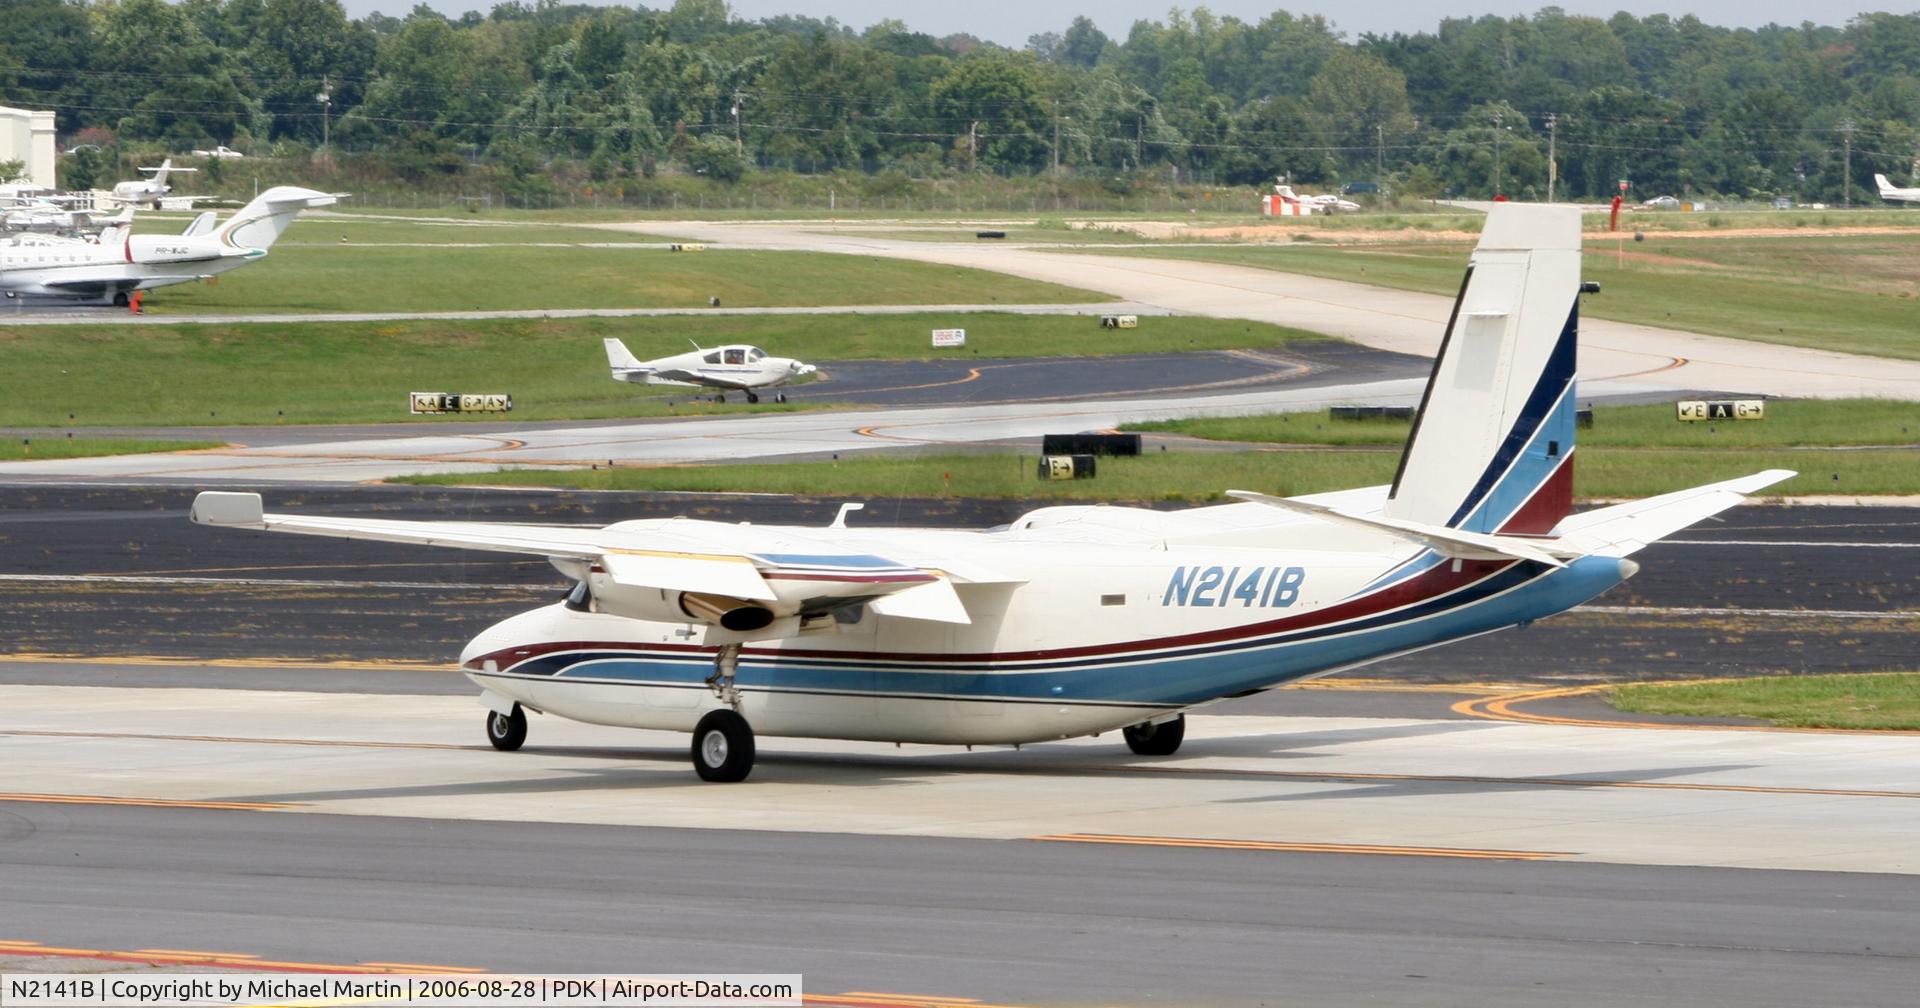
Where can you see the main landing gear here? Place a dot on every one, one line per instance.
(1162, 739)
(753, 397)
(723, 741)
(507, 732)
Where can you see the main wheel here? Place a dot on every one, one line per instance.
(722, 747)
(1161, 739)
(753, 397)
(779, 397)
(507, 731)
(120, 300)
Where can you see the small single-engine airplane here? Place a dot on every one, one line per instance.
(120, 262)
(148, 192)
(1889, 191)
(733, 368)
(1077, 620)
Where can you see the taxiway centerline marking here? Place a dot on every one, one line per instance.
(1566, 782)
(1301, 847)
(240, 740)
(227, 960)
(66, 799)
(1500, 708)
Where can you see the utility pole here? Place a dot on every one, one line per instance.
(739, 147)
(1498, 118)
(1846, 180)
(1056, 142)
(973, 145)
(1379, 151)
(1553, 137)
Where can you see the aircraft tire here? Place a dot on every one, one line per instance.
(722, 747)
(753, 397)
(1161, 739)
(779, 397)
(507, 732)
(120, 300)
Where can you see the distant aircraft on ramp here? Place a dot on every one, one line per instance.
(1078, 620)
(109, 270)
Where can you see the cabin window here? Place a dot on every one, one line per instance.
(736, 356)
(1107, 600)
(712, 358)
(755, 355)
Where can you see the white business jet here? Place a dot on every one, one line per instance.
(1075, 620)
(110, 269)
(735, 368)
(148, 192)
(1889, 191)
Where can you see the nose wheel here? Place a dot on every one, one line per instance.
(722, 747)
(507, 732)
(1161, 739)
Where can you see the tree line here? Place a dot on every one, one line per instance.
(604, 93)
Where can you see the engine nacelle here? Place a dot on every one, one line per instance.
(662, 605)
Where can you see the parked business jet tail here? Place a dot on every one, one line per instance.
(1889, 191)
(260, 223)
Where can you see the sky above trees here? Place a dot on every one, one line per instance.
(1011, 22)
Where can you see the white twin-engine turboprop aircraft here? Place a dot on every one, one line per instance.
(733, 368)
(1079, 620)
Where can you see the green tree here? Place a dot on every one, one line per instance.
(991, 107)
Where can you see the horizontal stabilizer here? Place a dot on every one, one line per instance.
(1624, 529)
(935, 601)
(1448, 542)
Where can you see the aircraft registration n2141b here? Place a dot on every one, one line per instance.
(1077, 620)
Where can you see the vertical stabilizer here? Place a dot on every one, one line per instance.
(260, 223)
(1492, 447)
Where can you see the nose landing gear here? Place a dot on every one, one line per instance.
(507, 732)
(723, 747)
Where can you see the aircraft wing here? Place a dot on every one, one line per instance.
(763, 566)
(681, 376)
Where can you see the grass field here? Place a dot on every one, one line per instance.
(310, 270)
(17, 449)
(1886, 700)
(1601, 472)
(322, 228)
(303, 372)
(1790, 423)
(1853, 293)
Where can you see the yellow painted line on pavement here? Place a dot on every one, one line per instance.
(234, 960)
(1211, 843)
(67, 799)
(49, 658)
(240, 740)
(1501, 708)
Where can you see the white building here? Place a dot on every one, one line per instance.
(28, 136)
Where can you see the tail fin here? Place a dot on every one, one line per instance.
(1492, 447)
(1881, 181)
(260, 223)
(619, 358)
